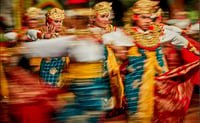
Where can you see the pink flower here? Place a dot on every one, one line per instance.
(160, 17)
(50, 20)
(135, 17)
(151, 27)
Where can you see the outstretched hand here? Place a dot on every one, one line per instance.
(49, 31)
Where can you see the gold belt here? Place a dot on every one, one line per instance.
(84, 70)
(35, 61)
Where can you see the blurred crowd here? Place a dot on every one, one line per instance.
(85, 64)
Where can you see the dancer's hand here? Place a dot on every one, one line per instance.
(50, 30)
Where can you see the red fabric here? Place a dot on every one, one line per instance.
(34, 102)
(172, 56)
(30, 113)
(123, 70)
(177, 58)
(189, 57)
(5, 44)
(29, 40)
(22, 76)
(173, 92)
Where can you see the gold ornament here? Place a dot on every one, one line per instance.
(109, 28)
(145, 7)
(128, 16)
(148, 40)
(53, 71)
(32, 12)
(83, 12)
(159, 12)
(55, 13)
(102, 8)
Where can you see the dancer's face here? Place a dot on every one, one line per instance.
(58, 23)
(32, 22)
(81, 22)
(102, 20)
(143, 21)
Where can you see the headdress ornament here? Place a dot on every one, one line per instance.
(102, 7)
(55, 13)
(145, 7)
(32, 12)
(83, 12)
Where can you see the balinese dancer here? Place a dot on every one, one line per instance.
(100, 25)
(50, 68)
(145, 59)
(30, 21)
(85, 72)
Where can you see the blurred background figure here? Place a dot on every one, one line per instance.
(6, 15)
(193, 31)
(30, 21)
(50, 68)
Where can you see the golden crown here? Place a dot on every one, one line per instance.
(145, 7)
(83, 12)
(32, 12)
(102, 7)
(55, 13)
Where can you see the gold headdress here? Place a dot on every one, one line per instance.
(32, 12)
(127, 16)
(145, 7)
(102, 8)
(55, 13)
(82, 12)
(159, 12)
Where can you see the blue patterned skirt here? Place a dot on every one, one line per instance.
(92, 99)
(133, 81)
(51, 68)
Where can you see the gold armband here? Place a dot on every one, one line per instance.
(191, 48)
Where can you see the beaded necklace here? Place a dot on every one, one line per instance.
(149, 41)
